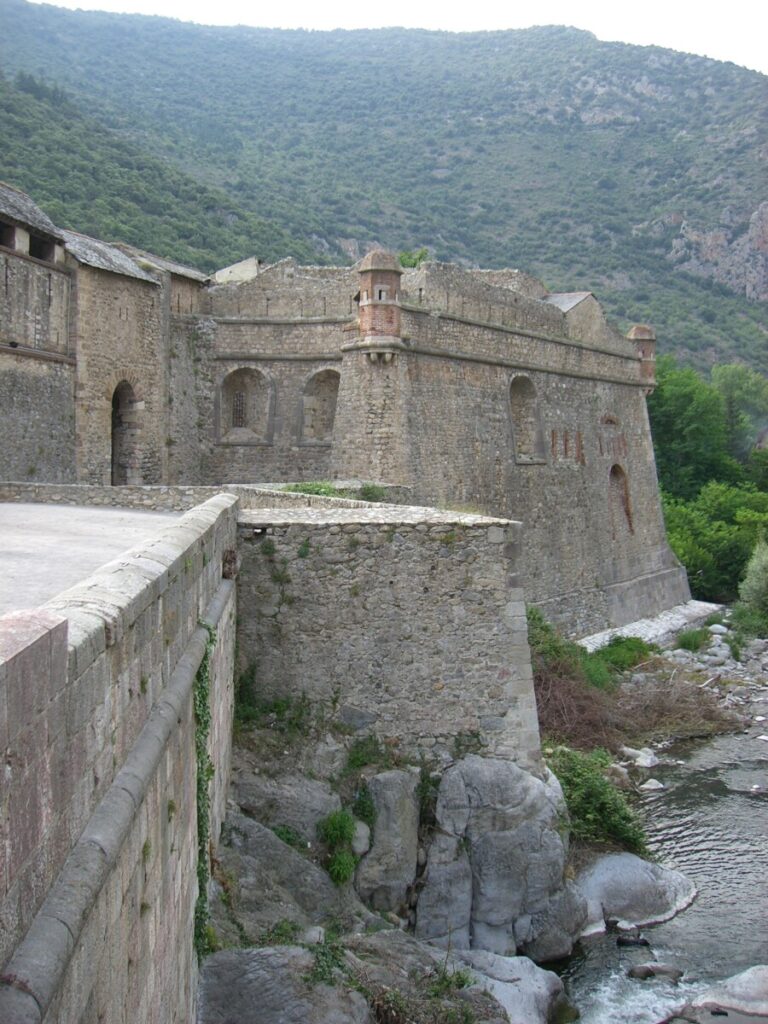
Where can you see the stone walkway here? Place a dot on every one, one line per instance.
(658, 629)
(45, 549)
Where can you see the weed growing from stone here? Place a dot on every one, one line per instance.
(469, 742)
(282, 933)
(287, 715)
(336, 831)
(328, 963)
(447, 981)
(372, 492)
(201, 698)
(363, 806)
(341, 866)
(289, 836)
(367, 751)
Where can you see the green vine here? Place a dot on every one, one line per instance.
(201, 696)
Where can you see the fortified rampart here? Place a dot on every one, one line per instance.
(471, 389)
(343, 602)
(101, 791)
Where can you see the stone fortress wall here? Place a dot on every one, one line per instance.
(405, 622)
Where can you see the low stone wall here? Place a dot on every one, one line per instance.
(100, 804)
(177, 498)
(404, 622)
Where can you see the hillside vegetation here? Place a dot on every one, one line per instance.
(633, 171)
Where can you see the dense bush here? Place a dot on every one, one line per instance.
(598, 811)
(573, 688)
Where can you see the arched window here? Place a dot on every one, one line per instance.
(526, 429)
(319, 406)
(244, 407)
(125, 436)
(620, 503)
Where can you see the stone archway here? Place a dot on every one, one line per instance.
(125, 436)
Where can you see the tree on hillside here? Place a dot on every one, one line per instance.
(690, 431)
(745, 394)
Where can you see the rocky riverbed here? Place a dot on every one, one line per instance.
(461, 867)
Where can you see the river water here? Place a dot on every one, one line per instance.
(711, 823)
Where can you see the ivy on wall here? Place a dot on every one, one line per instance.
(201, 696)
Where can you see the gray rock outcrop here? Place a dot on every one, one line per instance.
(263, 986)
(632, 891)
(292, 801)
(529, 994)
(272, 883)
(388, 869)
(494, 877)
(742, 998)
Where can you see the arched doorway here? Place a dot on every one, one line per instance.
(125, 436)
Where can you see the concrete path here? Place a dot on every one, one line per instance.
(45, 549)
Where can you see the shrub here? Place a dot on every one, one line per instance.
(598, 811)
(748, 622)
(624, 652)
(341, 866)
(753, 589)
(572, 704)
(324, 488)
(692, 639)
(372, 492)
(336, 829)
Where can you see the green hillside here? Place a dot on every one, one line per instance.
(579, 161)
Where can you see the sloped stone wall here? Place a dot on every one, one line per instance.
(403, 622)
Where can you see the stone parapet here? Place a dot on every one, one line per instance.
(102, 797)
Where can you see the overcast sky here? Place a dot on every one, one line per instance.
(736, 31)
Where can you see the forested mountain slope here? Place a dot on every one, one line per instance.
(635, 171)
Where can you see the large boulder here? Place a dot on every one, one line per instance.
(290, 801)
(529, 994)
(506, 826)
(268, 882)
(745, 995)
(388, 870)
(445, 903)
(262, 986)
(632, 892)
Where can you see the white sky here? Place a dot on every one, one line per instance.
(736, 31)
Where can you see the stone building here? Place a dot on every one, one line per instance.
(475, 389)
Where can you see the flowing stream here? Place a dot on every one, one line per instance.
(711, 823)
